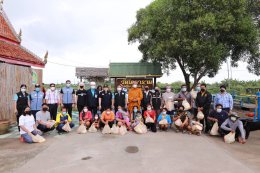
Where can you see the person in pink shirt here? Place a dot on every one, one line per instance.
(85, 117)
(122, 117)
(150, 117)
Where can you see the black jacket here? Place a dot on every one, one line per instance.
(203, 100)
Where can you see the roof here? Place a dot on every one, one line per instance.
(89, 72)
(11, 50)
(135, 70)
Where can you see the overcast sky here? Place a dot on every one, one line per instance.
(88, 33)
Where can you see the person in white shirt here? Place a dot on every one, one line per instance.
(27, 126)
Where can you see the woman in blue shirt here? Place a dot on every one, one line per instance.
(164, 120)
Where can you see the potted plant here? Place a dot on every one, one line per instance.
(4, 126)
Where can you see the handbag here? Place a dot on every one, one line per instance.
(106, 130)
(82, 129)
(37, 138)
(200, 115)
(214, 130)
(122, 130)
(186, 105)
(115, 129)
(66, 127)
(149, 120)
(92, 129)
(229, 138)
(140, 128)
(163, 122)
(178, 122)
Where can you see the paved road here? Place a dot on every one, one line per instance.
(161, 152)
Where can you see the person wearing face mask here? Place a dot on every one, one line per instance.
(81, 97)
(105, 98)
(224, 98)
(233, 125)
(217, 115)
(147, 98)
(99, 88)
(194, 93)
(135, 95)
(27, 126)
(53, 100)
(43, 119)
(185, 120)
(92, 99)
(203, 103)
(85, 117)
(157, 100)
(162, 116)
(22, 100)
(168, 100)
(62, 119)
(150, 113)
(184, 95)
(120, 98)
(107, 118)
(68, 97)
(133, 115)
(36, 98)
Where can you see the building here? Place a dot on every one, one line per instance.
(98, 75)
(16, 64)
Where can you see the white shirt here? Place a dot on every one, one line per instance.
(26, 121)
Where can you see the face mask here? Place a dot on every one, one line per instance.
(37, 89)
(197, 88)
(168, 90)
(81, 87)
(183, 89)
(64, 113)
(203, 90)
(96, 117)
(44, 109)
(219, 110)
(149, 108)
(108, 112)
(92, 87)
(85, 110)
(27, 112)
(120, 110)
(134, 86)
(23, 90)
(52, 88)
(164, 113)
(233, 118)
(135, 110)
(68, 84)
(222, 90)
(119, 89)
(146, 89)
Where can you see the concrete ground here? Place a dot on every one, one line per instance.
(155, 152)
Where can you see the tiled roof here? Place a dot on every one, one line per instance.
(91, 72)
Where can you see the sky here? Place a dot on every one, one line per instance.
(86, 33)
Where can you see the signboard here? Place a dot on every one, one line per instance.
(127, 83)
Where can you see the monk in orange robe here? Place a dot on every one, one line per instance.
(135, 95)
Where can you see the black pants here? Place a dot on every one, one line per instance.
(44, 129)
(53, 108)
(34, 113)
(101, 124)
(93, 110)
(80, 108)
(151, 126)
(69, 108)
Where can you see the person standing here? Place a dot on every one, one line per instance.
(120, 98)
(203, 103)
(68, 97)
(224, 98)
(157, 101)
(147, 98)
(22, 101)
(81, 97)
(168, 100)
(184, 95)
(105, 98)
(92, 99)
(53, 100)
(135, 96)
(36, 98)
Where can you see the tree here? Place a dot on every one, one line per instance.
(197, 35)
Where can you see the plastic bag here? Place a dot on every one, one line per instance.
(115, 129)
(186, 105)
(66, 127)
(140, 128)
(51, 123)
(92, 129)
(106, 130)
(178, 122)
(169, 105)
(229, 138)
(122, 130)
(149, 120)
(37, 138)
(214, 130)
(82, 129)
(197, 127)
(193, 94)
(200, 115)
(163, 122)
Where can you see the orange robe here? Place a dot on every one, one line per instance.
(134, 93)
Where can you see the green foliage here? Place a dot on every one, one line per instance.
(198, 35)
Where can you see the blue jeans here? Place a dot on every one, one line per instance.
(27, 138)
(59, 127)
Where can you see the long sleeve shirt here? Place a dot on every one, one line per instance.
(229, 125)
(203, 100)
(225, 99)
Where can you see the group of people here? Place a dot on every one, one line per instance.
(190, 112)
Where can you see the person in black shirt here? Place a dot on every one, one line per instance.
(157, 101)
(120, 98)
(105, 99)
(92, 99)
(147, 98)
(81, 97)
(203, 103)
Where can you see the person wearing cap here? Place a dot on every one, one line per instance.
(157, 101)
(68, 97)
(22, 101)
(147, 98)
(92, 99)
(224, 98)
(105, 98)
(81, 97)
(120, 98)
(43, 119)
(168, 100)
(53, 100)
(36, 98)
(184, 95)
(135, 96)
(233, 125)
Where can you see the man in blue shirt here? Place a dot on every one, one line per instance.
(224, 98)
(68, 97)
(36, 98)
